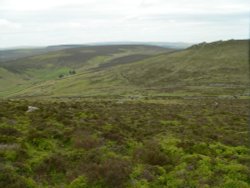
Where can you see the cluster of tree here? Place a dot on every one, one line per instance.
(71, 72)
(61, 75)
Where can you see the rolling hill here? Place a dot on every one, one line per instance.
(207, 69)
(16, 53)
(25, 72)
(126, 116)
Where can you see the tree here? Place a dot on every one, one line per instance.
(72, 72)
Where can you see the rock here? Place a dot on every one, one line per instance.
(120, 102)
(9, 146)
(32, 108)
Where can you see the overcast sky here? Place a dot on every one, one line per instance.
(47, 22)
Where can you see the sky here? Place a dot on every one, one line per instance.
(50, 22)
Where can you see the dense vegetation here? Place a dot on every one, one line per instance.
(171, 143)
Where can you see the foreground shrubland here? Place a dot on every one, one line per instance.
(180, 143)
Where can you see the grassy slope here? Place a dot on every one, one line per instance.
(38, 69)
(214, 66)
(219, 68)
(10, 82)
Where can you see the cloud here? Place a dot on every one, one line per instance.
(8, 26)
(79, 21)
(31, 5)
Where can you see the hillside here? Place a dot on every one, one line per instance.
(174, 45)
(207, 69)
(22, 52)
(218, 68)
(13, 54)
(29, 71)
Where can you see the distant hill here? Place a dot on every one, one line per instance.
(21, 52)
(17, 53)
(24, 72)
(78, 57)
(207, 69)
(173, 45)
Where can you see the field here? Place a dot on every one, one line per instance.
(134, 143)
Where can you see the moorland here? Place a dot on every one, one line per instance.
(132, 115)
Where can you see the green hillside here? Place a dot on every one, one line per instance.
(34, 70)
(208, 69)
